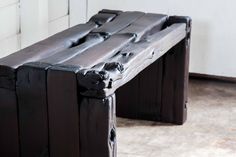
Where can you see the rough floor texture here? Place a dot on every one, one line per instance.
(210, 130)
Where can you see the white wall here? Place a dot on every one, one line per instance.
(58, 12)
(33, 21)
(65, 13)
(213, 49)
(9, 26)
(24, 22)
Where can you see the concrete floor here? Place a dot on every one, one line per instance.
(210, 130)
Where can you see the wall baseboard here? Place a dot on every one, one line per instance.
(212, 77)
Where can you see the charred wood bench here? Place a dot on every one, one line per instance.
(60, 97)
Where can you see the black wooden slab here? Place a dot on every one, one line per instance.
(143, 26)
(116, 12)
(31, 87)
(63, 111)
(103, 18)
(9, 143)
(175, 77)
(98, 127)
(62, 56)
(120, 22)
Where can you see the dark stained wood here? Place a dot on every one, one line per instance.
(98, 127)
(63, 111)
(175, 78)
(144, 25)
(123, 20)
(173, 97)
(9, 141)
(103, 18)
(33, 117)
(116, 12)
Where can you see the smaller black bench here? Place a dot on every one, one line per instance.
(60, 97)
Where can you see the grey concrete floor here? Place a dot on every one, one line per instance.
(210, 130)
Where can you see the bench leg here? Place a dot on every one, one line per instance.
(9, 139)
(175, 85)
(98, 127)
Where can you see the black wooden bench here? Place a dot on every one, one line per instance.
(60, 97)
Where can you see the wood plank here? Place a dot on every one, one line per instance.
(146, 24)
(120, 22)
(63, 111)
(33, 130)
(98, 127)
(175, 78)
(104, 18)
(9, 143)
(108, 11)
